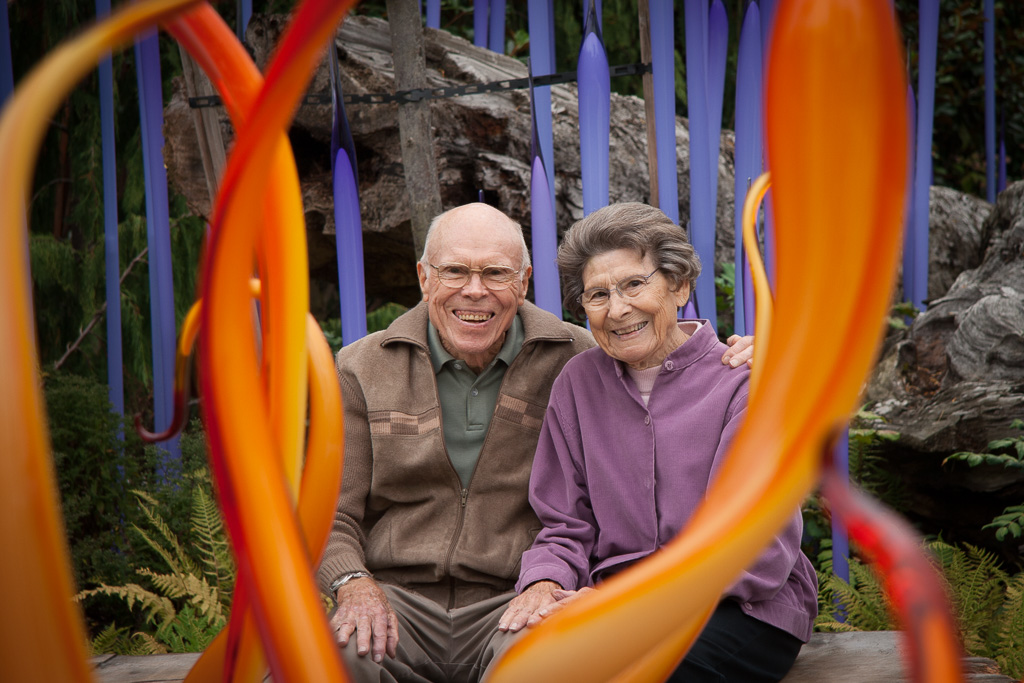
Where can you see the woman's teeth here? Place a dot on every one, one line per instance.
(631, 329)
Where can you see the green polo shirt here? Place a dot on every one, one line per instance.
(467, 399)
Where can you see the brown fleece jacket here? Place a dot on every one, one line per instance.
(403, 514)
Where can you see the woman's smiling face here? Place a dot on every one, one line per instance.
(639, 331)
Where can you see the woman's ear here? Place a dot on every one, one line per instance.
(682, 294)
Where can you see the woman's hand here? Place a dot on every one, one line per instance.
(563, 598)
(741, 350)
(529, 607)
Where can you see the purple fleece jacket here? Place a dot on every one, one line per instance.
(614, 480)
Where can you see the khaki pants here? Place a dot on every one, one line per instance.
(435, 644)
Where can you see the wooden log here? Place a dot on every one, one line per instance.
(855, 657)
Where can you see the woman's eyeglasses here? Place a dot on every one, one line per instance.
(597, 298)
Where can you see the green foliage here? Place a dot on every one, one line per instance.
(862, 601)
(901, 315)
(379, 319)
(1002, 453)
(96, 473)
(187, 606)
(376, 320)
(958, 150)
(868, 466)
(1009, 523)
(92, 468)
(987, 603)
(725, 298)
(1013, 457)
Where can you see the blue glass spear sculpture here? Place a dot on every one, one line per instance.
(702, 211)
(115, 369)
(348, 225)
(749, 152)
(161, 281)
(767, 12)
(909, 262)
(481, 12)
(433, 13)
(990, 100)
(496, 25)
(928, 36)
(6, 63)
(546, 290)
(717, 49)
(542, 62)
(244, 14)
(663, 66)
(595, 111)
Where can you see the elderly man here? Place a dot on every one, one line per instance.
(442, 416)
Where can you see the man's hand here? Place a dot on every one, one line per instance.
(529, 607)
(741, 350)
(363, 608)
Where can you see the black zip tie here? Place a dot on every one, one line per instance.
(420, 94)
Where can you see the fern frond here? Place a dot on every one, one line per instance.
(145, 644)
(862, 603)
(1009, 629)
(205, 598)
(110, 640)
(170, 585)
(210, 541)
(157, 608)
(176, 558)
(189, 632)
(196, 589)
(829, 625)
(975, 584)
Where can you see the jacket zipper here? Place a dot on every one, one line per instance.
(451, 548)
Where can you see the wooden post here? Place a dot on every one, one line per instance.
(414, 123)
(648, 81)
(207, 123)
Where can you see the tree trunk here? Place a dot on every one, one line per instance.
(414, 122)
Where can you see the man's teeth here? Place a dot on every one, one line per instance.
(630, 329)
(474, 317)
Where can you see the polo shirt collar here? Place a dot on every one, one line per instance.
(509, 350)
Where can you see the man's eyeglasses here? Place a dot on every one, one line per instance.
(598, 298)
(457, 275)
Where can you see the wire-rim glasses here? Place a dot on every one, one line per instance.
(458, 275)
(598, 298)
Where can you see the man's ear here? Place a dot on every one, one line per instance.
(526, 284)
(421, 273)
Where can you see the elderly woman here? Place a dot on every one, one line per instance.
(634, 433)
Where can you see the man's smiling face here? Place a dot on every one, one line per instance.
(472, 320)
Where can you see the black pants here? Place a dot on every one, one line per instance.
(737, 647)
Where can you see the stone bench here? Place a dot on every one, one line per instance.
(857, 657)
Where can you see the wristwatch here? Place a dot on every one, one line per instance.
(345, 578)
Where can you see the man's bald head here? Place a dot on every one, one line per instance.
(480, 217)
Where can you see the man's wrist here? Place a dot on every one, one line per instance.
(345, 578)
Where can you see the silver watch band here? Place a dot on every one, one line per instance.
(345, 578)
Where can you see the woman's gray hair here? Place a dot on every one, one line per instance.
(629, 225)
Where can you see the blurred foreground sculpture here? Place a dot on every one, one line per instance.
(836, 132)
